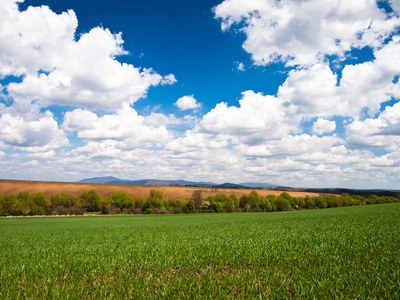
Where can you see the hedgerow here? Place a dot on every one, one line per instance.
(25, 204)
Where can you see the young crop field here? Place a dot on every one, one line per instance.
(337, 253)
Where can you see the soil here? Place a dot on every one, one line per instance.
(13, 187)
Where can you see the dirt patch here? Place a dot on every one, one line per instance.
(13, 187)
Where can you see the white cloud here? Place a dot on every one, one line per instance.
(168, 80)
(303, 32)
(316, 92)
(187, 102)
(322, 126)
(126, 126)
(45, 155)
(313, 92)
(259, 118)
(240, 66)
(380, 132)
(40, 45)
(395, 5)
(41, 135)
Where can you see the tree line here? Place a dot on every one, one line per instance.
(25, 204)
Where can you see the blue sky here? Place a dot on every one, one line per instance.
(293, 93)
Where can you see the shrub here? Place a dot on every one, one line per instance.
(332, 201)
(309, 202)
(7, 203)
(121, 200)
(90, 200)
(282, 204)
(320, 202)
(105, 206)
(264, 205)
(216, 207)
(38, 204)
(156, 194)
(253, 199)
(146, 206)
(235, 200)
(190, 206)
(243, 201)
(139, 201)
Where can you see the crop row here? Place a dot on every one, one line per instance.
(338, 253)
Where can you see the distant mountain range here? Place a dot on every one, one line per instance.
(114, 180)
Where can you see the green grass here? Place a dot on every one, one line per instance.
(338, 253)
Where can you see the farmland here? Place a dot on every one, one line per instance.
(341, 253)
(13, 187)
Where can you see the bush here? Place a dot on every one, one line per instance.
(235, 200)
(38, 204)
(121, 200)
(320, 202)
(61, 211)
(90, 200)
(243, 201)
(264, 205)
(309, 202)
(105, 206)
(139, 201)
(190, 206)
(282, 204)
(156, 194)
(253, 199)
(216, 207)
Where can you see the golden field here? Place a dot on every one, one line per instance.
(13, 187)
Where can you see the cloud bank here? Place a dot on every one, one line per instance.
(335, 121)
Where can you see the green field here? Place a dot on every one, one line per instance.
(337, 253)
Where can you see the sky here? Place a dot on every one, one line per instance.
(295, 93)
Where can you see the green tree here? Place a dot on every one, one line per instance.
(38, 204)
(243, 201)
(90, 200)
(309, 202)
(253, 199)
(105, 206)
(156, 194)
(264, 205)
(190, 206)
(235, 199)
(6, 204)
(139, 201)
(320, 202)
(216, 206)
(332, 201)
(121, 200)
(282, 204)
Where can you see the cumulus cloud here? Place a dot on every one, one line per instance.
(380, 132)
(258, 118)
(316, 91)
(125, 125)
(303, 32)
(322, 126)
(58, 69)
(187, 102)
(240, 66)
(395, 6)
(42, 134)
(260, 138)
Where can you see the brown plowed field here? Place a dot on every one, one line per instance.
(13, 187)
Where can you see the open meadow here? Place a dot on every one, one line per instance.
(338, 253)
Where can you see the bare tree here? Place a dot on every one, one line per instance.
(197, 197)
